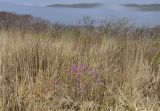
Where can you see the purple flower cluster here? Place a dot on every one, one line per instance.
(82, 69)
(76, 73)
(78, 69)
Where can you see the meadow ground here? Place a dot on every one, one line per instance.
(78, 71)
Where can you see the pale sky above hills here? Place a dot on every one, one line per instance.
(48, 2)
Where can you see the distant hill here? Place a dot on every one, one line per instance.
(145, 7)
(80, 5)
(9, 16)
(10, 20)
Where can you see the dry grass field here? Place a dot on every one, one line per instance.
(39, 72)
(111, 68)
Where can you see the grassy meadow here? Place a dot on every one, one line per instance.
(80, 69)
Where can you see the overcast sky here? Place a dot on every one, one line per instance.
(46, 2)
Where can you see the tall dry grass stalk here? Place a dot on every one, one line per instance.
(35, 73)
